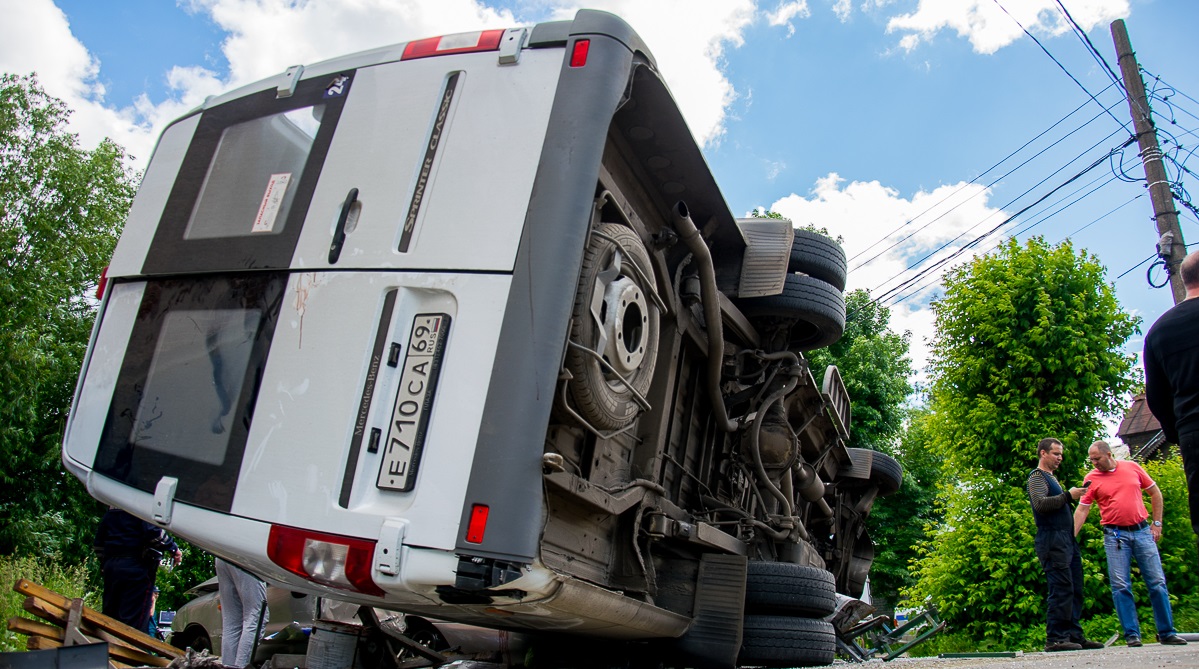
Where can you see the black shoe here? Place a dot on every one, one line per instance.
(1171, 640)
(1087, 644)
(1133, 641)
(1061, 645)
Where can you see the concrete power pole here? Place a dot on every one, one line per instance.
(1171, 247)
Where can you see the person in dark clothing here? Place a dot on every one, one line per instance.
(1172, 378)
(1057, 550)
(129, 550)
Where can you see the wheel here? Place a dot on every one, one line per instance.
(818, 256)
(814, 309)
(887, 473)
(782, 641)
(615, 319)
(194, 638)
(426, 635)
(783, 588)
(879, 468)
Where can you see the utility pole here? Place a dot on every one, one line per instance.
(1170, 243)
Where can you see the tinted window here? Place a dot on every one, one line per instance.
(253, 177)
(242, 190)
(189, 379)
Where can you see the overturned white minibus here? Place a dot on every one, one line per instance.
(464, 328)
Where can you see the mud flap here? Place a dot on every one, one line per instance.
(714, 638)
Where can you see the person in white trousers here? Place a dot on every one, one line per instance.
(243, 612)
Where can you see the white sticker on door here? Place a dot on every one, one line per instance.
(272, 200)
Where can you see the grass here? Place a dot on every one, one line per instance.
(68, 580)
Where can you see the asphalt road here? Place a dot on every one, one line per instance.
(1149, 656)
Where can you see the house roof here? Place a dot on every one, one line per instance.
(1138, 419)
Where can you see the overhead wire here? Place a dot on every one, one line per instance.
(988, 171)
(971, 244)
(986, 187)
(1059, 64)
(1086, 40)
(945, 245)
(934, 278)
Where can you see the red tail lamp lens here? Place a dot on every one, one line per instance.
(487, 40)
(478, 523)
(578, 56)
(328, 559)
(102, 283)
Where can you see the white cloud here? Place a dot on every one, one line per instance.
(863, 212)
(843, 9)
(989, 28)
(786, 11)
(688, 39)
(263, 37)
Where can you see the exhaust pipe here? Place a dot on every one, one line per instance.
(708, 294)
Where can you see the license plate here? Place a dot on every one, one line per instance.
(410, 417)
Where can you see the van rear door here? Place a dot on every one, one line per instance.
(259, 372)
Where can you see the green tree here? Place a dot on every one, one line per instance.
(61, 211)
(1029, 344)
(874, 364)
(900, 522)
(873, 361)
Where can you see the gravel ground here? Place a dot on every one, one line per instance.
(1149, 656)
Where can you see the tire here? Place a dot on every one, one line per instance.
(883, 471)
(820, 257)
(887, 473)
(781, 641)
(426, 635)
(624, 331)
(815, 309)
(196, 639)
(782, 588)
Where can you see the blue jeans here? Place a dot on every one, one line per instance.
(1121, 546)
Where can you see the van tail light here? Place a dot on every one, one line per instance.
(478, 523)
(578, 55)
(487, 40)
(102, 283)
(328, 559)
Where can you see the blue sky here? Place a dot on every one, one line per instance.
(855, 115)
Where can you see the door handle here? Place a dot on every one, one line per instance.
(339, 232)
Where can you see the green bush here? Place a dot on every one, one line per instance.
(68, 580)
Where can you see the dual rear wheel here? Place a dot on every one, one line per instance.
(784, 609)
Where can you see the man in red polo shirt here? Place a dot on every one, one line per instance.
(1119, 487)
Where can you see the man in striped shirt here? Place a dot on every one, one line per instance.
(1057, 550)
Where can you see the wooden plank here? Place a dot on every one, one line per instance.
(116, 627)
(50, 636)
(42, 610)
(34, 628)
(48, 611)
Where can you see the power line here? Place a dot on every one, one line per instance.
(940, 263)
(987, 186)
(983, 174)
(1009, 203)
(1082, 34)
(1059, 64)
(933, 279)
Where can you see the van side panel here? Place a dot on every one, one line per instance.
(506, 473)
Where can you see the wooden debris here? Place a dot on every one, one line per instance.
(69, 622)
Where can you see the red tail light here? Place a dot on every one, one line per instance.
(328, 559)
(478, 523)
(102, 283)
(578, 56)
(487, 40)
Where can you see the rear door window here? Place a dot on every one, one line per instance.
(189, 379)
(246, 181)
